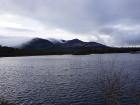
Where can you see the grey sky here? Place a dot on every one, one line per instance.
(113, 22)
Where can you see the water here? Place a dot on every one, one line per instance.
(69, 79)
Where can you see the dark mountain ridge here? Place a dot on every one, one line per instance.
(44, 44)
(74, 46)
(38, 46)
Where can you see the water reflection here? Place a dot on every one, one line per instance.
(111, 79)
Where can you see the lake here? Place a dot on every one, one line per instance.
(71, 79)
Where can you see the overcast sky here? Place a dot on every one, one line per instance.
(113, 22)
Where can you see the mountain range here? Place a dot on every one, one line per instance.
(39, 46)
(61, 46)
(44, 44)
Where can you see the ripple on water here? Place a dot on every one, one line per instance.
(63, 80)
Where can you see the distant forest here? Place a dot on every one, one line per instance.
(8, 51)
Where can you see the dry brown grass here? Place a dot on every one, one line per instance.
(111, 82)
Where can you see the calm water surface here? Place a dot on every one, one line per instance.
(66, 79)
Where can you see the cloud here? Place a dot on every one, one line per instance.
(13, 41)
(15, 25)
(19, 22)
(113, 22)
(122, 34)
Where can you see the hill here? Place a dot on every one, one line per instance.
(38, 46)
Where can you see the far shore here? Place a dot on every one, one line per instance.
(68, 54)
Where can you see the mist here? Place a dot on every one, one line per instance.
(13, 41)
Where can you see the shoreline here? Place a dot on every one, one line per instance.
(67, 54)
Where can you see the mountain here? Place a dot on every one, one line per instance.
(74, 43)
(36, 47)
(44, 44)
(95, 45)
(61, 46)
(37, 44)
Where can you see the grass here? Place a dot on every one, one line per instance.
(115, 85)
(5, 102)
(111, 85)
